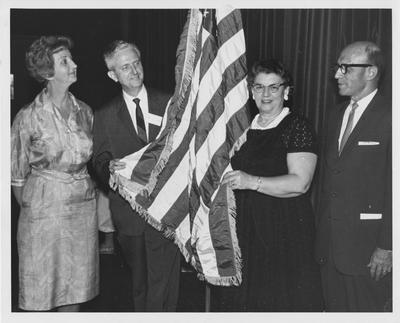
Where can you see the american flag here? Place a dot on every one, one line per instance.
(174, 182)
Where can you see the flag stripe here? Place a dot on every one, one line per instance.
(174, 113)
(214, 153)
(177, 166)
(231, 23)
(213, 132)
(201, 231)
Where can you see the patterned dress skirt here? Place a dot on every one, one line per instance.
(57, 244)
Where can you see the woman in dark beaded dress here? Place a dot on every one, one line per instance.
(271, 176)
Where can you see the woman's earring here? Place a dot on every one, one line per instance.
(285, 97)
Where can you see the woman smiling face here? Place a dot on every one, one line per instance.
(270, 98)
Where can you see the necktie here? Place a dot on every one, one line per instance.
(141, 129)
(349, 126)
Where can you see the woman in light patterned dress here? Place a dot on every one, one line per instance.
(51, 142)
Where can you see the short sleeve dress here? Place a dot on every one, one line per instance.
(57, 227)
(276, 235)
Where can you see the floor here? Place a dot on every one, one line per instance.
(115, 292)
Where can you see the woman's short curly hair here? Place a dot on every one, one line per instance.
(39, 57)
(269, 66)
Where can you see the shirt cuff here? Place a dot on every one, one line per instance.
(18, 182)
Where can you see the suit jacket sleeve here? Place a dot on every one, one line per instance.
(101, 149)
(385, 235)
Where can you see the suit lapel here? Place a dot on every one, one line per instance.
(364, 124)
(154, 108)
(124, 116)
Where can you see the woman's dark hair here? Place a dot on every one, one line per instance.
(269, 66)
(39, 57)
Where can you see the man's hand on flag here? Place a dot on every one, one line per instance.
(115, 165)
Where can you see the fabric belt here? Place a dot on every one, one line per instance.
(61, 176)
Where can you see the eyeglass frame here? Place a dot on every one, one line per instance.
(273, 88)
(343, 67)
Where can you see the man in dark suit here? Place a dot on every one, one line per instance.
(354, 239)
(121, 127)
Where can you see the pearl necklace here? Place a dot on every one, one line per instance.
(265, 122)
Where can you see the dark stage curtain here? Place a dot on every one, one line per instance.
(309, 41)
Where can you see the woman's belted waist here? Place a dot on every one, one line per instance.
(65, 177)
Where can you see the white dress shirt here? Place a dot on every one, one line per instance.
(362, 105)
(144, 105)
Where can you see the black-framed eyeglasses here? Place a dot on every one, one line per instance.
(273, 88)
(343, 67)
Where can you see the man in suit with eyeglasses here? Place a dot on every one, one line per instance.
(354, 237)
(121, 127)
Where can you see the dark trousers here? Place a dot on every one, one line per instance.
(355, 293)
(154, 262)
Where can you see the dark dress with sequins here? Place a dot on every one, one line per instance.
(276, 235)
